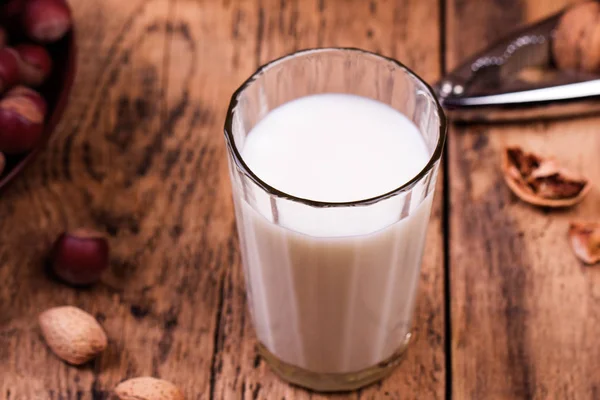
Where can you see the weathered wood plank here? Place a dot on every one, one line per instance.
(140, 156)
(523, 310)
(408, 31)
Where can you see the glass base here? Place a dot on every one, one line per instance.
(333, 382)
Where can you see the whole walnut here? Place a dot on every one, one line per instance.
(576, 44)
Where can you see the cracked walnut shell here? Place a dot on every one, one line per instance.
(541, 182)
(585, 241)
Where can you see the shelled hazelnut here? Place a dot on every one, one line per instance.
(9, 68)
(22, 113)
(34, 64)
(29, 30)
(46, 20)
(80, 257)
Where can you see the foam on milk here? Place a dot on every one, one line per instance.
(332, 289)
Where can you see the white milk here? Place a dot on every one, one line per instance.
(332, 289)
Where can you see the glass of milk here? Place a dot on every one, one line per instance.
(333, 158)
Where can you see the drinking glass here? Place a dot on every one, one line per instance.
(332, 312)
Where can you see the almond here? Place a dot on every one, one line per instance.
(72, 334)
(147, 388)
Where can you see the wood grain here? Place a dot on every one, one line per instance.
(524, 311)
(140, 156)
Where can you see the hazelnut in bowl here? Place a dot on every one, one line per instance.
(37, 68)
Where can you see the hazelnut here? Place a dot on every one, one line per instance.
(34, 64)
(576, 43)
(22, 113)
(31, 94)
(9, 68)
(80, 257)
(46, 20)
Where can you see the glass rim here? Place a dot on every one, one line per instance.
(241, 164)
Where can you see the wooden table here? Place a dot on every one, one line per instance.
(505, 311)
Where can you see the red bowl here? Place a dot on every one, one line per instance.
(56, 92)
